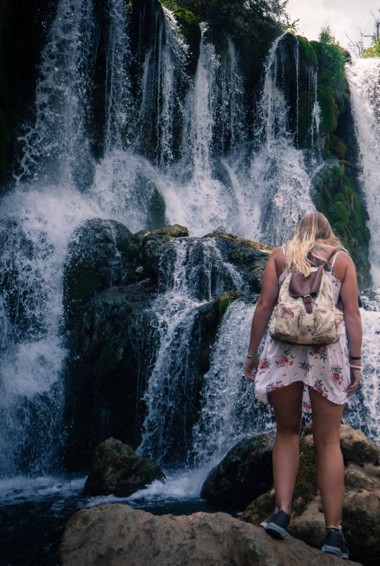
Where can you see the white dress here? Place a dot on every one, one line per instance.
(324, 368)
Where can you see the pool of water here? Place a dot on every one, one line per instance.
(34, 512)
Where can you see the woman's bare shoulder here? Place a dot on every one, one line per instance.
(278, 256)
(343, 263)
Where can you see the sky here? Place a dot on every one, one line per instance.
(344, 17)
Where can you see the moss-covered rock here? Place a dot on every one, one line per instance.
(101, 254)
(307, 52)
(336, 195)
(191, 32)
(329, 110)
(119, 471)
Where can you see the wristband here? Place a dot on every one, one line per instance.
(355, 357)
(253, 356)
(355, 367)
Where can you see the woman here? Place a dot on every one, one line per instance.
(310, 378)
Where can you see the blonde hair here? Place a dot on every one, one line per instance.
(311, 229)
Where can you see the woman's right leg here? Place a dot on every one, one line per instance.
(287, 405)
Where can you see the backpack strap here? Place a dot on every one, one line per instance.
(334, 260)
(316, 261)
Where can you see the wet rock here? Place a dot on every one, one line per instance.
(244, 474)
(119, 471)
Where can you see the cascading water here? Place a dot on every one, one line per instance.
(195, 275)
(364, 77)
(279, 172)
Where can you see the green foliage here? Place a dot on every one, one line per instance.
(307, 52)
(373, 50)
(331, 64)
(220, 12)
(334, 147)
(337, 197)
(157, 210)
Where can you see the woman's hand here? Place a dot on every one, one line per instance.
(355, 380)
(250, 368)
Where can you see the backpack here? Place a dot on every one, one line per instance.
(305, 312)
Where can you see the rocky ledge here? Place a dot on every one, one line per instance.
(116, 535)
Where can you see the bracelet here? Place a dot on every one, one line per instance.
(253, 356)
(355, 367)
(355, 357)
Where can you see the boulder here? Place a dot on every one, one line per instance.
(119, 471)
(101, 254)
(243, 474)
(361, 504)
(116, 535)
(111, 354)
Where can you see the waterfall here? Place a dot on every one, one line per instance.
(192, 274)
(157, 145)
(279, 171)
(364, 77)
(118, 96)
(56, 147)
(38, 218)
(34, 231)
(229, 409)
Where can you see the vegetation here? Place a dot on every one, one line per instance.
(332, 82)
(220, 12)
(373, 50)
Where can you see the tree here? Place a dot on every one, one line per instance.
(374, 49)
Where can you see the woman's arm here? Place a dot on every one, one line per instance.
(264, 308)
(352, 317)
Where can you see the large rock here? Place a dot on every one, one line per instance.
(101, 254)
(118, 470)
(111, 354)
(243, 474)
(116, 535)
(114, 289)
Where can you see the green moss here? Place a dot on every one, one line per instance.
(189, 27)
(340, 213)
(307, 52)
(329, 110)
(336, 195)
(224, 301)
(334, 146)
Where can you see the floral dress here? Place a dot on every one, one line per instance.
(324, 368)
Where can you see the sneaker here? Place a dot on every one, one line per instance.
(276, 526)
(335, 544)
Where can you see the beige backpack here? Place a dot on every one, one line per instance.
(305, 312)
